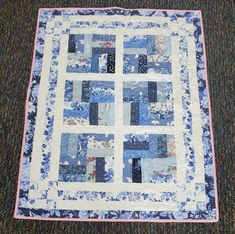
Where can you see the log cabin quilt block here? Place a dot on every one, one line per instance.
(147, 54)
(148, 103)
(118, 121)
(89, 102)
(93, 53)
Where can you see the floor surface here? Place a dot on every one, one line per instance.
(18, 25)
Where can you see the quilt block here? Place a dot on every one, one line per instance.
(147, 53)
(89, 103)
(118, 123)
(86, 158)
(148, 103)
(149, 158)
(91, 53)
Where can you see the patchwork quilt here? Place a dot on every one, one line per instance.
(118, 122)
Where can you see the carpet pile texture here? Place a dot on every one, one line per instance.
(18, 25)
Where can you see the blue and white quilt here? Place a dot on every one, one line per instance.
(118, 123)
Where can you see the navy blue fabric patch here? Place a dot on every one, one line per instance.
(162, 145)
(72, 44)
(152, 91)
(100, 171)
(93, 114)
(72, 173)
(142, 68)
(135, 113)
(111, 63)
(103, 50)
(85, 91)
(136, 170)
(136, 145)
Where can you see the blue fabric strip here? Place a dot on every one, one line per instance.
(152, 91)
(84, 113)
(85, 91)
(162, 145)
(93, 118)
(127, 170)
(103, 37)
(95, 63)
(72, 44)
(136, 170)
(98, 50)
(135, 113)
(100, 170)
(137, 145)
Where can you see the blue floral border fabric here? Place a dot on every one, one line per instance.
(102, 129)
